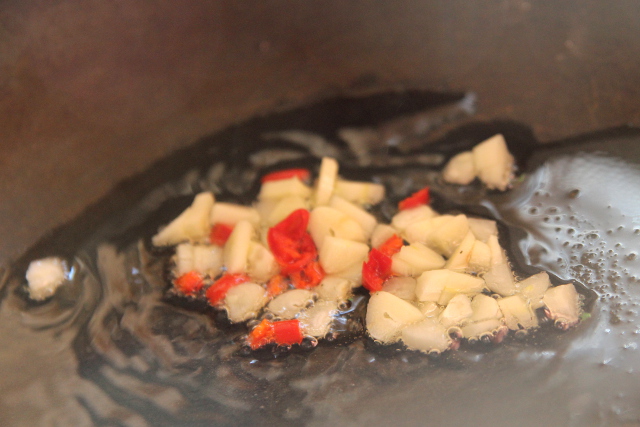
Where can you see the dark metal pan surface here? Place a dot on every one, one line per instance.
(109, 349)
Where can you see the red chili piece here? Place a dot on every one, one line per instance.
(416, 199)
(392, 245)
(287, 332)
(276, 285)
(301, 174)
(219, 289)
(294, 226)
(220, 233)
(309, 277)
(284, 332)
(261, 335)
(189, 283)
(376, 270)
(291, 245)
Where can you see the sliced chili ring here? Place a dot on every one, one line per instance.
(291, 245)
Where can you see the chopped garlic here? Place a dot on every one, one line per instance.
(387, 315)
(427, 335)
(317, 319)
(490, 161)
(437, 285)
(362, 193)
(45, 276)
(494, 164)
(326, 181)
(192, 224)
(461, 169)
(289, 304)
(244, 301)
(333, 288)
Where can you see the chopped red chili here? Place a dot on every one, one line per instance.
(189, 283)
(277, 285)
(418, 198)
(294, 225)
(301, 174)
(284, 332)
(261, 335)
(376, 270)
(291, 245)
(220, 233)
(287, 332)
(219, 289)
(309, 277)
(392, 245)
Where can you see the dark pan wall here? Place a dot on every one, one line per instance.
(92, 92)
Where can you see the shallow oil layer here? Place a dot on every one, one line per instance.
(110, 349)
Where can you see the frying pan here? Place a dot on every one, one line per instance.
(94, 93)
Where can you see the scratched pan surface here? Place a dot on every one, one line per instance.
(109, 349)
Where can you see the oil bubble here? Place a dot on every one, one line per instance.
(434, 354)
(344, 306)
(253, 323)
(455, 332)
(309, 342)
(269, 316)
(521, 334)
